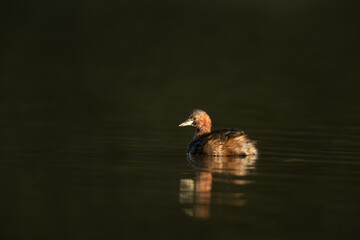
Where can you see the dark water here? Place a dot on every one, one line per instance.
(91, 98)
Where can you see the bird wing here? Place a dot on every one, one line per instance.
(224, 135)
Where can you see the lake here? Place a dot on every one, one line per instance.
(92, 96)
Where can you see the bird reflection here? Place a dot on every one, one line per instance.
(196, 193)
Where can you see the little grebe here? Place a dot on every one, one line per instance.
(225, 142)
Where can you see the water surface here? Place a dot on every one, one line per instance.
(92, 95)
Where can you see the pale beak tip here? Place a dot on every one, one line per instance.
(186, 123)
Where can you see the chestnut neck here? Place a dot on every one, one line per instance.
(203, 126)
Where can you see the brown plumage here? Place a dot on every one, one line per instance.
(225, 142)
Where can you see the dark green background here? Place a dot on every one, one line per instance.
(92, 93)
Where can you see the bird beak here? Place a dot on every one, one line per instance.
(188, 122)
